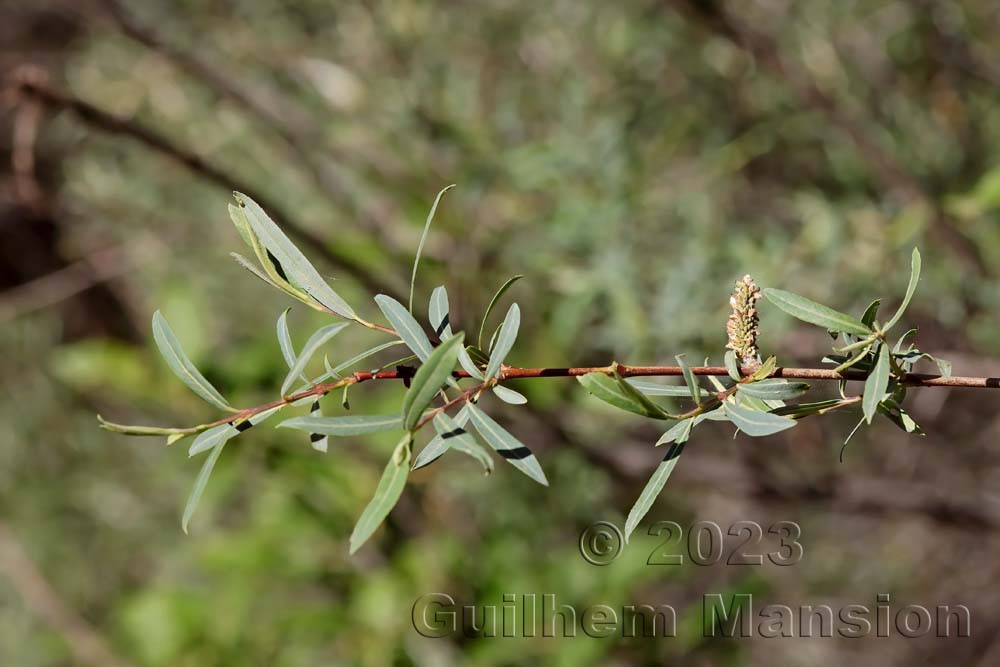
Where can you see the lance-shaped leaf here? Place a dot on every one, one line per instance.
(506, 445)
(652, 489)
(199, 485)
(406, 327)
(182, 367)
(610, 391)
(493, 302)
(429, 379)
(910, 289)
(871, 312)
(438, 445)
(387, 493)
(509, 395)
(732, 365)
(130, 429)
(335, 372)
(808, 310)
(285, 341)
(689, 379)
(679, 432)
(297, 269)
(451, 434)
(806, 409)
(423, 238)
(774, 389)
(876, 384)
(316, 341)
(755, 423)
(655, 389)
(439, 313)
(219, 434)
(345, 426)
(318, 441)
(505, 341)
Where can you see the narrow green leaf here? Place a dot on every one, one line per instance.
(609, 391)
(285, 341)
(298, 270)
(774, 389)
(199, 484)
(316, 341)
(755, 423)
(220, 434)
(815, 313)
(910, 289)
(805, 409)
(732, 366)
(182, 367)
(438, 445)
(439, 313)
(249, 266)
(335, 372)
(868, 318)
(506, 445)
(423, 238)
(655, 389)
(689, 379)
(679, 432)
(345, 426)
(505, 341)
(652, 489)
(509, 395)
(387, 493)
(876, 384)
(408, 328)
(496, 297)
(765, 370)
(429, 378)
(634, 394)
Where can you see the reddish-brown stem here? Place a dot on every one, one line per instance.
(514, 373)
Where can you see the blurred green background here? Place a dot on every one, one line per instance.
(631, 160)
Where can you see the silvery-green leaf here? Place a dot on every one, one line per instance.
(774, 389)
(345, 426)
(335, 372)
(655, 389)
(423, 238)
(901, 418)
(387, 493)
(679, 432)
(406, 327)
(876, 384)
(910, 289)
(298, 270)
(468, 365)
(609, 391)
(755, 423)
(806, 409)
(285, 341)
(652, 489)
(902, 340)
(182, 367)
(815, 313)
(689, 379)
(631, 392)
(765, 370)
(429, 379)
(249, 266)
(220, 434)
(439, 314)
(732, 366)
(130, 429)
(199, 484)
(451, 434)
(509, 395)
(496, 297)
(438, 445)
(505, 340)
(316, 341)
(868, 318)
(506, 445)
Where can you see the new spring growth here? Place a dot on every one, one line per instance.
(743, 324)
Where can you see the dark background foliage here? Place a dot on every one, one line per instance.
(632, 160)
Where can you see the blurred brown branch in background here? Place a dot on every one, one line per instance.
(31, 88)
(86, 645)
